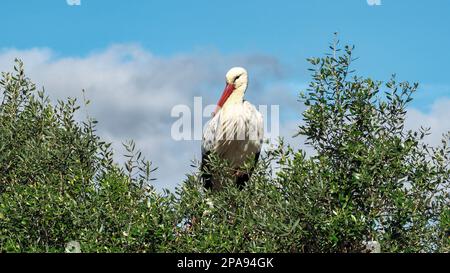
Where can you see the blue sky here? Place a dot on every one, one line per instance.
(410, 38)
(183, 48)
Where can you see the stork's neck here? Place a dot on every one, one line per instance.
(237, 96)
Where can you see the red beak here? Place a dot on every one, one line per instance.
(229, 88)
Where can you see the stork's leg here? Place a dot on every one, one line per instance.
(243, 178)
(206, 175)
(207, 181)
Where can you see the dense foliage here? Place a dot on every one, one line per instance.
(369, 180)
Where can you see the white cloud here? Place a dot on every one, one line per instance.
(133, 91)
(438, 119)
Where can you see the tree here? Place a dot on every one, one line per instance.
(370, 179)
(58, 181)
(374, 180)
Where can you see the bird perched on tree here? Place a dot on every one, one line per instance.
(234, 133)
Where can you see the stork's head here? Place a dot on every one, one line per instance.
(236, 81)
(237, 76)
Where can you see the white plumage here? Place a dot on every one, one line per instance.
(235, 133)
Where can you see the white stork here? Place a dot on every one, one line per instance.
(235, 132)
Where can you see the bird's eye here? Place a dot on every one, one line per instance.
(237, 78)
